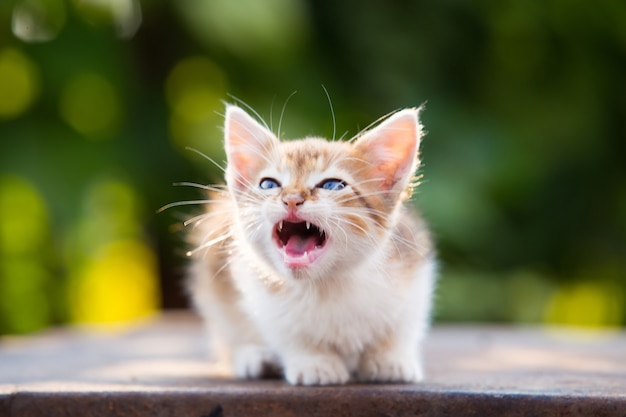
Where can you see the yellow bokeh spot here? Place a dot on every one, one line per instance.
(586, 304)
(115, 276)
(19, 83)
(91, 105)
(23, 217)
(25, 300)
(118, 284)
(194, 90)
(25, 276)
(195, 87)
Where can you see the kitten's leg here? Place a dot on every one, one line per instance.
(255, 361)
(235, 342)
(397, 357)
(391, 362)
(234, 339)
(305, 367)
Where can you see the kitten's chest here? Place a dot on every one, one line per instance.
(348, 318)
(352, 320)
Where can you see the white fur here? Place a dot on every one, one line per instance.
(322, 338)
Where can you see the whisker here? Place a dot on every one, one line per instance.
(356, 226)
(374, 123)
(363, 195)
(223, 267)
(332, 112)
(207, 157)
(264, 145)
(217, 189)
(250, 108)
(272, 113)
(282, 112)
(208, 244)
(205, 216)
(335, 222)
(185, 203)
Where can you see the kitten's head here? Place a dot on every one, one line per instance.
(312, 207)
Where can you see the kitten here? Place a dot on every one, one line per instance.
(311, 262)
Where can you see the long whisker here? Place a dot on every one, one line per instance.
(207, 157)
(272, 113)
(267, 145)
(282, 113)
(374, 123)
(184, 203)
(217, 189)
(367, 181)
(250, 108)
(205, 216)
(332, 112)
(337, 224)
(359, 210)
(208, 244)
(223, 267)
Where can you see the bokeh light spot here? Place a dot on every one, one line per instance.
(586, 304)
(23, 217)
(38, 20)
(24, 298)
(114, 272)
(24, 237)
(194, 87)
(91, 105)
(19, 83)
(267, 30)
(118, 284)
(123, 15)
(194, 91)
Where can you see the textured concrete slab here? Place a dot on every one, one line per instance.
(160, 368)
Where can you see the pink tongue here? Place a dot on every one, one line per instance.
(297, 245)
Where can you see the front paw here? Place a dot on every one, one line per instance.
(316, 370)
(388, 368)
(252, 362)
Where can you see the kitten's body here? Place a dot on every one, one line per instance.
(315, 266)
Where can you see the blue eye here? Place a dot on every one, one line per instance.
(268, 183)
(332, 185)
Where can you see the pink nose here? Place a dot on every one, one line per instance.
(293, 200)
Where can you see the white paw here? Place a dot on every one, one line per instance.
(388, 368)
(253, 362)
(316, 370)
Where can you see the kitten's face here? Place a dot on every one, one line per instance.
(313, 207)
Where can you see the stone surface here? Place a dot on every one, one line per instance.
(160, 368)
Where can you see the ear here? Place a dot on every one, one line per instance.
(248, 146)
(391, 149)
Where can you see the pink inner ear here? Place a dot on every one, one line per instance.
(248, 144)
(392, 147)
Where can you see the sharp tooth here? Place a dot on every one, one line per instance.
(280, 226)
(308, 225)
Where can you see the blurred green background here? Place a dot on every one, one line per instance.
(525, 180)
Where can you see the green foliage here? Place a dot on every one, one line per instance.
(524, 179)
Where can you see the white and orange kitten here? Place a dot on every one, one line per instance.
(311, 262)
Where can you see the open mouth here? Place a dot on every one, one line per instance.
(300, 244)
